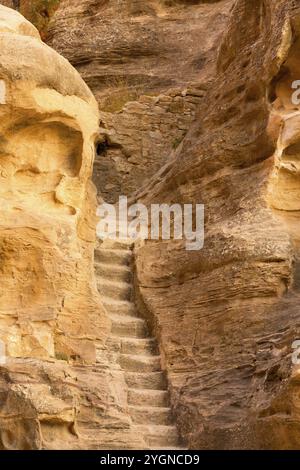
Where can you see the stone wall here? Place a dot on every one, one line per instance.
(137, 141)
(139, 58)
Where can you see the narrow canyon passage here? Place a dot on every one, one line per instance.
(179, 119)
(137, 352)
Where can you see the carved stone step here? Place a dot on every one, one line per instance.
(132, 363)
(131, 349)
(129, 326)
(150, 415)
(148, 380)
(119, 307)
(148, 397)
(119, 243)
(155, 435)
(139, 346)
(113, 256)
(113, 271)
(117, 290)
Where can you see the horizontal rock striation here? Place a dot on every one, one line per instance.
(227, 315)
(139, 59)
(53, 393)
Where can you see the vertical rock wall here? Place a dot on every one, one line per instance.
(52, 324)
(227, 315)
(148, 64)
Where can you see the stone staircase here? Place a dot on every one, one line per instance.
(148, 396)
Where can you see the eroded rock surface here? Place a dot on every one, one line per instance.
(137, 43)
(54, 393)
(136, 142)
(227, 315)
(126, 50)
(38, 12)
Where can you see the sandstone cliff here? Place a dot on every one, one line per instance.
(195, 106)
(225, 316)
(126, 50)
(51, 320)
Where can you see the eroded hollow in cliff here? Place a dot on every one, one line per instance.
(49, 145)
(36, 154)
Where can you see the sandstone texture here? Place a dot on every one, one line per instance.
(226, 316)
(137, 43)
(164, 347)
(53, 392)
(136, 142)
(126, 50)
(134, 349)
(38, 12)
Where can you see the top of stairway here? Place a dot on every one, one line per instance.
(117, 243)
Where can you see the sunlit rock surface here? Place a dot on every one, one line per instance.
(225, 316)
(54, 394)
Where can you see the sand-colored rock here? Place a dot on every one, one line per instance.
(132, 348)
(136, 142)
(227, 315)
(38, 12)
(54, 392)
(139, 59)
(10, 22)
(134, 45)
(49, 122)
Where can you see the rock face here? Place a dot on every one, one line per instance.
(38, 12)
(49, 124)
(227, 315)
(51, 318)
(136, 43)
(136, 142)
(126, 50)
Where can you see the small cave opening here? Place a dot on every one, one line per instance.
(16, 4)
(102, 147)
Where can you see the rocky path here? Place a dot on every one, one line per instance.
(148, 395)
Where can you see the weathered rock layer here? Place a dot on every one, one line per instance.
(124, 51)
(51, 318)
(227, 315)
